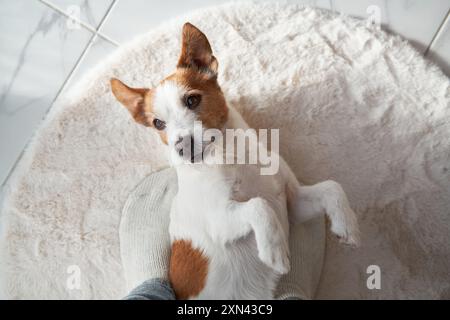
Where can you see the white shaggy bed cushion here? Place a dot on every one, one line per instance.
(354, 105)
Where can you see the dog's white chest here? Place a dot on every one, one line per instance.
(199, 214)
(204, 194)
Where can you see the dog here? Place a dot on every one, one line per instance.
(229, 224)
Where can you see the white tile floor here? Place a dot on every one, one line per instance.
(42, 51)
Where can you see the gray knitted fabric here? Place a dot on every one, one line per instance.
(144, 228)
(145, 243)
(307, 247)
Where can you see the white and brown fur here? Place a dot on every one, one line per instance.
(229, 224)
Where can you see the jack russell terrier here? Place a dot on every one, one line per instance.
(229, 224)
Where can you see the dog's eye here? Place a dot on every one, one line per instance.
(159, 124)
(193, 100)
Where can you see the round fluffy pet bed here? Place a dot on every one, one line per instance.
(353, 104)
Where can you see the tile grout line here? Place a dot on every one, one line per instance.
(69, 76)
(438, 32)
(84, 24)
(85, 51)
(102, 22)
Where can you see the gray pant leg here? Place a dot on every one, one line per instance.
(159, 289)
(152, 289)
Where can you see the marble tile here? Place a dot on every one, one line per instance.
(98, 50)
(415, 20)
(37, 52)
(88, 11)
(440, 49)
(146, 14)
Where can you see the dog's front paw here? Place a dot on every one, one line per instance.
(276, 257)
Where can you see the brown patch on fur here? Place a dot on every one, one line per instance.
(197, 70)
(196, 51)
(213, 110)
(136, 100)
(188, 269)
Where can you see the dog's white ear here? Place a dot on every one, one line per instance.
(196, 51)
(133, 99)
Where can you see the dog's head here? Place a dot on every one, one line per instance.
(188, 95)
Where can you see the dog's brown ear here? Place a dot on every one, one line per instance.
(133, 99)
(196, 51)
